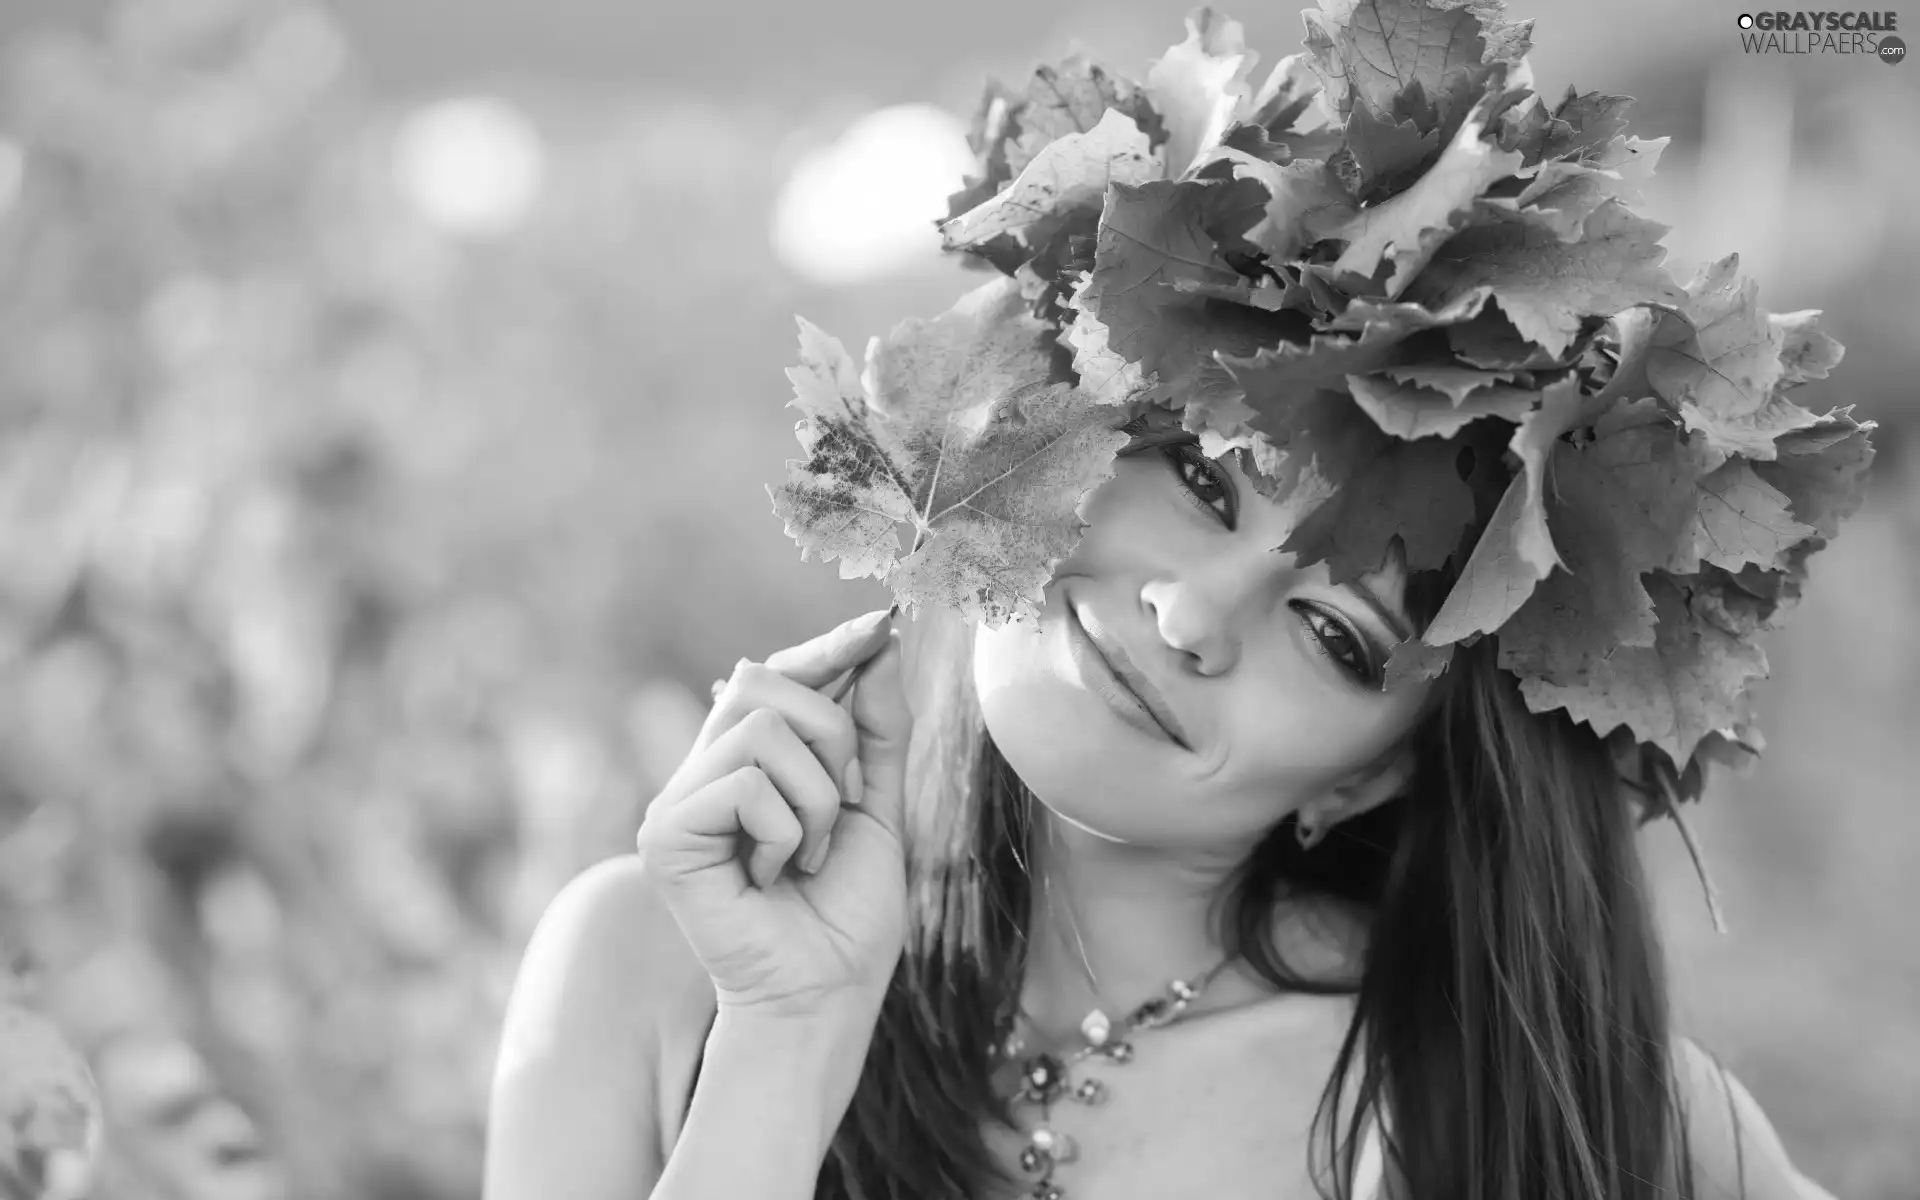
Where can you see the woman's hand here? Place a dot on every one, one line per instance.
(776, 844)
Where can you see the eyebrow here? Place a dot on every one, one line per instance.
(1393, 620)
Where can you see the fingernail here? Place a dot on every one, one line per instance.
(856, 784)
(819, 856)
(872, 620)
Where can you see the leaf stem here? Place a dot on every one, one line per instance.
(1670, 796)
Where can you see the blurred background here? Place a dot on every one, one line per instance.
(388, 390)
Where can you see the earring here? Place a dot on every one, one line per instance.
(1309, 832)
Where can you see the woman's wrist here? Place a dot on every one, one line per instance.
(817, 1055)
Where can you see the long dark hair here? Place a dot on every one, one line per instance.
(1511, 1015)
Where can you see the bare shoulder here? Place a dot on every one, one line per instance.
(606, 1001)
(1735, 1150)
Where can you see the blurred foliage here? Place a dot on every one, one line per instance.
(357, 581)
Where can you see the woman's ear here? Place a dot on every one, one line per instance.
(1368, 788)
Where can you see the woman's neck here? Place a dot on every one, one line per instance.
(1113, 924)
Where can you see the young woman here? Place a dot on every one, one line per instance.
(1409, 925)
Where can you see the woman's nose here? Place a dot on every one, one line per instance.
(1194, 621)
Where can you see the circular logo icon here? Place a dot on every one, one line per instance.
(1892, 49)
(1745, 21)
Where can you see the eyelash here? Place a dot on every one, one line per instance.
(1360, 665)
(1359, 662)
(1184, 454)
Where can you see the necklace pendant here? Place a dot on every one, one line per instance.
(1043, 1079)
(1052, 1146)
(1096, 1028)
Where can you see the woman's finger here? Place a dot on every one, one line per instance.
(885, 727)
(763, 739)
(824, 726)
(816, 661)
(704, 830)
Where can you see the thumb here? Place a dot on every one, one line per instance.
(885, 726)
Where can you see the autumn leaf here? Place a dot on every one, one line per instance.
(1385, 149)
(1284, 295)
(1584, 123)
(1547, 286)
(1371, 474)
(1451, 380)
(1285, 97)
(1368, 513)
(1740, 519)
(1073, 171)
(1371, 52)
(1562, 195)
(1619, 507)
(1822, 470)
(1105, 374)
(1413, 660)
(1198, 85)
(1305, 204)
(1157, 269)
(1158, 233)
(1410, 226)
(1279, 383)
(954, 430)
(1009, 128)
(1691, 680)
(1515, 550)
(1489, 340)
(1721, 368)
(1074, 98)
(1412, 410)
(1401, 317)
(990, 137)
(1805, 352)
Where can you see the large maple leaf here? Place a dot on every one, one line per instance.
(956, 431)
(1691, 680)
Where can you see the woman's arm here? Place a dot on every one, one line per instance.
(772, 1091)
(578, 1087)
(573, 1110)
(1736, 1153)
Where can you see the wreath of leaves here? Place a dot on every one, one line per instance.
(1388, 252)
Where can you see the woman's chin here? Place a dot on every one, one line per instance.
(1075, 754)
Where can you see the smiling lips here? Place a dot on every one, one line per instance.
(1128, 676)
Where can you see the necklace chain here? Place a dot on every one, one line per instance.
(1047, 1077)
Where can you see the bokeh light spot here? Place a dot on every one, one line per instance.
(864, 206)
(470, 165)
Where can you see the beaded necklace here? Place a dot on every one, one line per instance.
(1045, 1078)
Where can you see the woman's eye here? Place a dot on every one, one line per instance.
(1339, 642)
(1202, 480)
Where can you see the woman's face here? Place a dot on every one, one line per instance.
(1267, 676)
